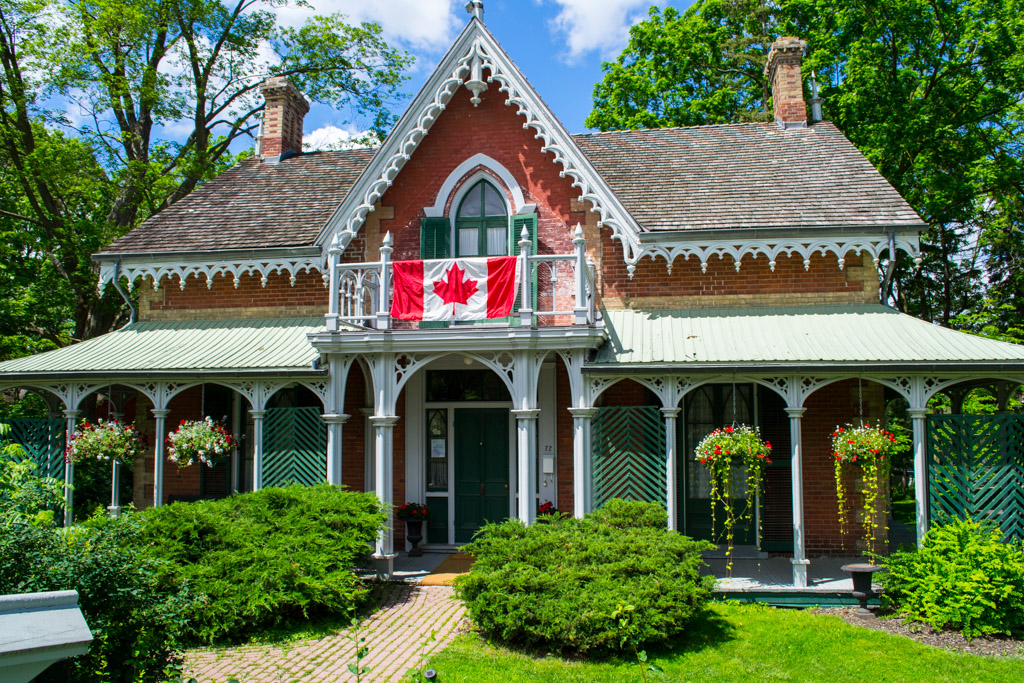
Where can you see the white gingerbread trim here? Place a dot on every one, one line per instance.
(474, 50)
(773, 248)
(498, 171)
(235, 269)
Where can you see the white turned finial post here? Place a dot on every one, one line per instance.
(525, 300)
(384, 307)
(580, 243)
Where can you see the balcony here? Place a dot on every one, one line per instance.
(557, 290)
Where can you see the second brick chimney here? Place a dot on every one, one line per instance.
(282, 119)
(783, 72)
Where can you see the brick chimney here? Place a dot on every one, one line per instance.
(783, 72)
(282, 119)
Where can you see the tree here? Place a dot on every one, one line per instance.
(138, 67)
(931, 93)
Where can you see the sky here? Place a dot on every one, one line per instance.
(558, 44)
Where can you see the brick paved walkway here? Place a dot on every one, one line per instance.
(395, 635)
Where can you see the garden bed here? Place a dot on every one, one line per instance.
(947, 640)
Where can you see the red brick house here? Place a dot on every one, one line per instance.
(674, 281)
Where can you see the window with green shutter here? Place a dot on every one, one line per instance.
(481, 222)
(520, 221)
(435, 234)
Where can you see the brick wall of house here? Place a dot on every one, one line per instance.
(251, 299)
(563, 439)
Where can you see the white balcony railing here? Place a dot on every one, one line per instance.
(556, 289)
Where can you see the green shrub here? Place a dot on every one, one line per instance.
(616, 580)
(963, 577)
(263, 558)
(134, 618)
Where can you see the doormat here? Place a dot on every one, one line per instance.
(452, 566)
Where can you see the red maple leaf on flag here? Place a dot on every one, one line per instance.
(455, 290)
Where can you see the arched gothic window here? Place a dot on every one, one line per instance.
(481, 222)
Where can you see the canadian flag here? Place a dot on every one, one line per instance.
(454, 289)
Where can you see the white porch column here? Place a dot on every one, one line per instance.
(69, 470)
(115, 475)
(160, 415)
(917, 420)
(334, 421)
(384, 434)
(526, 451)
(799, 560)
(670, 465)
(257, 448)
(581, 483)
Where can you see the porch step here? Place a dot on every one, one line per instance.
(793, 597)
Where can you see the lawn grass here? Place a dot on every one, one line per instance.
(741, 643)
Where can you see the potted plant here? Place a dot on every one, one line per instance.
(720, 451)
(547, 509)
(414, 515)
(202, 441)
(870, 449)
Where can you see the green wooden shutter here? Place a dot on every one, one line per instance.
(519, 221)
(435, 234)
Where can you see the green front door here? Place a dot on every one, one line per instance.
(481, 469)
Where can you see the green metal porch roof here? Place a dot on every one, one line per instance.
(227, 346)
(816, 336)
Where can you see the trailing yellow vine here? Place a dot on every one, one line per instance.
(871, 448)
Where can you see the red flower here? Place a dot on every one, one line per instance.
(728, 430)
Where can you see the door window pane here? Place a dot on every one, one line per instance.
(437, 450)
(471, 204)
(493, 206)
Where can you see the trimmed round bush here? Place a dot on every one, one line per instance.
(963, 577)
(615, 580)
(260, 559)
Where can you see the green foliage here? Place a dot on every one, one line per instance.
(134, 617)
(262, 558)
(562, 583)
(963, 577)
(25, 497)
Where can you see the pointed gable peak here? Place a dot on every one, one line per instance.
(476, 61)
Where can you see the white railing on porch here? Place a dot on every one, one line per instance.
(360, 293)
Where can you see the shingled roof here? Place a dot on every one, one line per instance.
(750, 175)
(753, 176)
(253, 206)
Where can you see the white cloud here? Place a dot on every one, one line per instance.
(331, 137)
(603, 25)
(417, 24)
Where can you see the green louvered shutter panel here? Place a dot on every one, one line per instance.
(628, 454)
(976, 470)
(435, 234)
(519, 221)
(43, 442)
(294, 447)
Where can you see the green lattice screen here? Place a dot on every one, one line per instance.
(976, 469)
(43, 440)
(628, 451)
(294, 446)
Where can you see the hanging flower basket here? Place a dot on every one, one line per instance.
(871, 449)
(106, 440)
(720, 451)
(195, 441)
